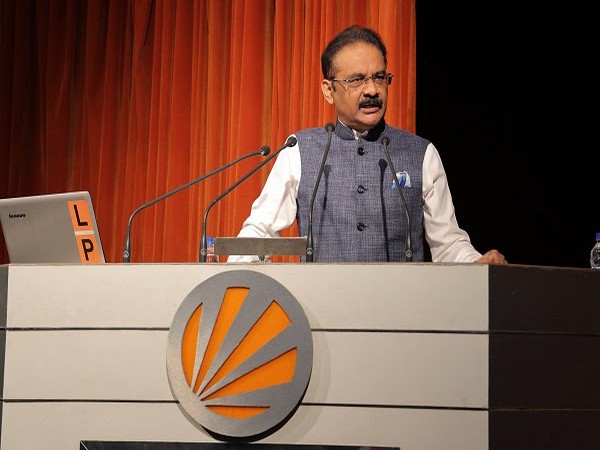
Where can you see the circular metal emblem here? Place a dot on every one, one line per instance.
(239, 354)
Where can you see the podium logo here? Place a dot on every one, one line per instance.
(239, 355)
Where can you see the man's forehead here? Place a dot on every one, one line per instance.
(358, 57)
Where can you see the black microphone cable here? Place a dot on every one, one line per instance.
(291, 141)
(385, 141)
(383, 165)
(309, 235)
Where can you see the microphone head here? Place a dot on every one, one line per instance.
(291, 141)
(385, 140)
(329, 127)
(383, 164)
(264, 150)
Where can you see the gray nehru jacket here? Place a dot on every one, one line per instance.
(358, 214)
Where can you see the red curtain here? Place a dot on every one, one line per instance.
(129, 99)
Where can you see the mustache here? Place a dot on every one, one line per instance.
(372, 101)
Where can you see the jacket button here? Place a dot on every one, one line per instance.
(360, 226)
(361, 151)
(361, 189)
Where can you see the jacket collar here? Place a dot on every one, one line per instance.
(346, 133)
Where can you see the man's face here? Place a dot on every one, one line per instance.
(361, 107)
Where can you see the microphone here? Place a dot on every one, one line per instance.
(309, 235)
(385, 141)
(127, 247)
(383, 165)
(291, 141)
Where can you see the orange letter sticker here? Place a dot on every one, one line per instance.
(84, 232)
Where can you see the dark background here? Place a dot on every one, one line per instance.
(509, 96)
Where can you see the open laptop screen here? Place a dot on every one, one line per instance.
(51, 228)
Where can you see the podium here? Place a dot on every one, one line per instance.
(413, 356)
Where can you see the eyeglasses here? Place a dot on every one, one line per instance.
(379, 79)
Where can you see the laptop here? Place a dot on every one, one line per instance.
(51, 228)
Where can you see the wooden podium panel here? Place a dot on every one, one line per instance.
(409, 356)
(544, 358)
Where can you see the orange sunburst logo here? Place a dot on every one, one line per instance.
(240, 354)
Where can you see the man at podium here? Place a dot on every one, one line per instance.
(362, 190)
